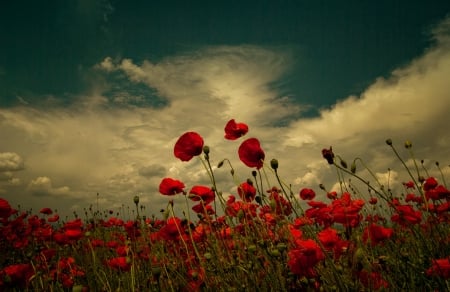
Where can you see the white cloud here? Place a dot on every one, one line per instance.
(10, 161)
(94, 146)
(42, 186)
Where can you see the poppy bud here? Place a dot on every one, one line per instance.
(136, 200)
(353, 167)
(343, 163)
(389, 142)
(274, 164)
(408, 144)
(220, 164)
(206, 149)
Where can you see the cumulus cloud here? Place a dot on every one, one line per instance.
(42, 186)
(92, 146)
(10, 161)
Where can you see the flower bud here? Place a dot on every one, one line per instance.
(353, 167)
(136, 200)
(206, 149)
(389, 142)
(274, 164)
(220, 164)
(408, 144)
(343, 163)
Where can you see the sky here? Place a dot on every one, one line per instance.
(94, 94)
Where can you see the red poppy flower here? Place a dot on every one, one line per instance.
(251, 154)
(170, 187)
(328, 155)
(46, 211)
(5, 208)
(440, 267)
(54, 218)
(376, 234)
(203, 209)
(120, 263)
(430, 183)
(190, 144)
(19, 274)
(235, 130)
(307, 194)
(247, 192)
(203, 193)
(303, 258)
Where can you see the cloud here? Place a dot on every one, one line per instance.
(94, 146)
(10, 161)
(42, 186)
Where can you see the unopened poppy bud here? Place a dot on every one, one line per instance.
(353, 167)
(408, 144)
(322, 187)
(274, 164)
(343, 163)
(220, 164)
(389, 142)
(254, 173)
(206, 149)
(136, 200)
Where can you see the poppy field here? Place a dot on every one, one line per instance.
(265, 235)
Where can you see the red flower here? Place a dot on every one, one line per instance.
(430, 183)
(46, 211)
(54, 218)
(251, 154)
(376, 234)
(203, 193)
(235, 130)
(405, 214)
(307, 194)
(247, 192)
(170, 187)
(441, 268)
(120, 263)
(328, 155)
(19, 274)
(190, 144)
(304, 257)
(5, 208)
(203, 209)
(409, 185)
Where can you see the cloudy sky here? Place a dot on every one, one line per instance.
(94, 94)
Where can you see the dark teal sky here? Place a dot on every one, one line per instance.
(48, 48)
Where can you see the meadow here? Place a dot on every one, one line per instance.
(262, 236)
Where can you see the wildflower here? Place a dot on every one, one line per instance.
(346, 211)
(170, 187)
(304, 257)
(328, 155)
(307, 194)
(203, 193)
(332, 195)
(46, 211)
(372, 280)
(5, 208)
(190, 144)
(430, 183)
(122, 263)
(376, 234)
(247, 192)
(409, 185)
(440, 267)
(251, 154)
(235, 130)
(19, 274)
(405, 214)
